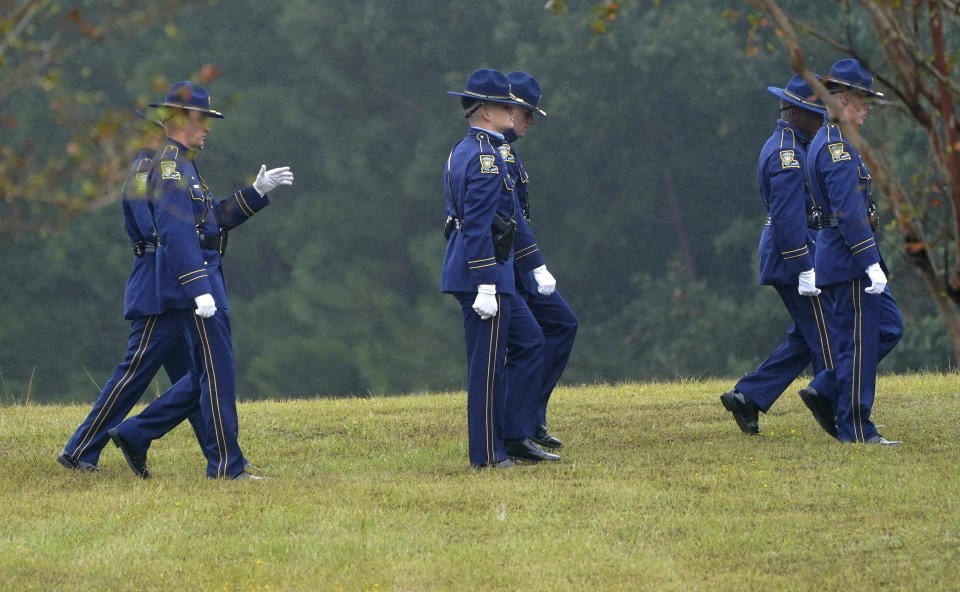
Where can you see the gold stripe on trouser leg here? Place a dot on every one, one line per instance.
(857, 360)
(117, 388)
(496, 357)
(214, 396)
(487, 433)
(822, 331)
(488, 391)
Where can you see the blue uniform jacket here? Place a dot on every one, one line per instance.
(840, 186)
(182, 205)
(140, 296)
(785, 244)
(483, 186)
(527, 256)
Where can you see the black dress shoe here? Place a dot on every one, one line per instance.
(542, 437)
(136, 459)
(878, 439)
(822, 409)
(744, 411)
(524, 449)
(77, 465)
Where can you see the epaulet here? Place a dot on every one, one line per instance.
(168, 162)
(170, 152)
(483, 139)
(787, 135)
(833, 128)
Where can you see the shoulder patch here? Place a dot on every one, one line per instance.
(142, 181)
(488, 164)
(837, 152)
(168, 169)
(788, 160)
(506, 153)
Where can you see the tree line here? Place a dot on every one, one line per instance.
(643, 189)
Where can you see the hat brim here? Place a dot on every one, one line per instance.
(489, 99)
(856, 87)
(209, 112)
(799, 102)
(533, 108)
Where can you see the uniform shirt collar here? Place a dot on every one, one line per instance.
(496, 135)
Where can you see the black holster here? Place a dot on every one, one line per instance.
(449, 226)
(213, 242)
(503, 230)
(874, 217)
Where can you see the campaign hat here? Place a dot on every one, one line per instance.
(850, 73)
(799, 93)
(488, 85)
(527, 89)
(187, 95)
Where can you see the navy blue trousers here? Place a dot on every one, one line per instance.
(807, 342)
(209, 387)
(868, 326)
(488, 407)
(558, 326)
(154, 341)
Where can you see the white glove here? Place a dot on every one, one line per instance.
(878, 280)
(205, 305)
(267, 181)
(486, 303)
(808, 283)
(546, 283)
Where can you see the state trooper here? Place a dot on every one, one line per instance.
(556, 323)
(192, 226)
(786, 262)
(848, 262)
(156, 337)
(481, 210)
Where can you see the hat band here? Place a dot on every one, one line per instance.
(479, 96)
(802, 100)
(864, 89)
(190, 107)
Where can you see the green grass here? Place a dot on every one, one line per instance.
(657, 490)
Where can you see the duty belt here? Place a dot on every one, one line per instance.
(213, 242)
(142, 247)
(814, 221)
(819, 221)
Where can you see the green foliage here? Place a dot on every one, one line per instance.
(657, 490)
(643, 193)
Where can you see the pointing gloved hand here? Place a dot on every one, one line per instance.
(878, 280)
(267, 181)
(808, 283)
(205, 306)
(486, 303)
(546, 283)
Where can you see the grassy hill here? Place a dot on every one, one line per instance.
(657, 490)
